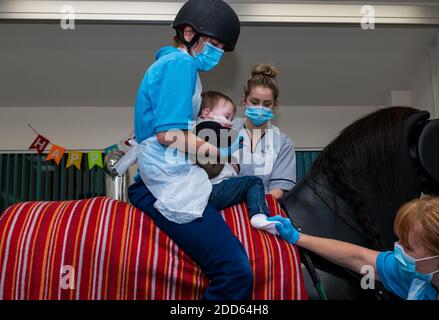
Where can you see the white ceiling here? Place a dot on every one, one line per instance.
(294, 1)
(102, 65)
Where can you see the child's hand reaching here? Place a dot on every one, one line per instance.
(235, 164)
(286, 229)
(235, 167)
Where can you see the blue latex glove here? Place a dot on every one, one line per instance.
(286, 229)
(229, 150)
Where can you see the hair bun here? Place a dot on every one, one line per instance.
(266, 70)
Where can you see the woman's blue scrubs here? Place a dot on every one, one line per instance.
(397, 281)
(164, 102)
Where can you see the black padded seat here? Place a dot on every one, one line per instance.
(428, 150)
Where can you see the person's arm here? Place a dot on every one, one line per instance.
(283, 176)
(187, 142)
(277, 193)
(342, 253)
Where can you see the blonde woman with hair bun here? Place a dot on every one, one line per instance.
(268, 152)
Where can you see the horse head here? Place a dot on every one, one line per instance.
(359, 181)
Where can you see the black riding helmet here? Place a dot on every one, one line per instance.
(211, 18)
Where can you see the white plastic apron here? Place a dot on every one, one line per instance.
(182, 189)
(262, 159)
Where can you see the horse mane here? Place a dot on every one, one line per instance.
(370, 147)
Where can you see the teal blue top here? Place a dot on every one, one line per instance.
(395, 280)
(164, 99)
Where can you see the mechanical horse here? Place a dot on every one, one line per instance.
(356, 186)
(100, 248)
(103, 249)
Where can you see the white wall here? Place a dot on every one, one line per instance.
(87, 128)
(422, 90)
(425, 89)
(314, 127)
(81, 128)
(42, 65)
(329, 77)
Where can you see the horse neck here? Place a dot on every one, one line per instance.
(314, 205)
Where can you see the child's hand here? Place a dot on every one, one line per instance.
(286, 229)
(235, 167)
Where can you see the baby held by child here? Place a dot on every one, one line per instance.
(215, 116)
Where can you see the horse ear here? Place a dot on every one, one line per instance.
(409, 161)
(426, 146)
(411, 131)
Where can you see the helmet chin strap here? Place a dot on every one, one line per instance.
(190, 44)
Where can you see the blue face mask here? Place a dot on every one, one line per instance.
(258, 115)
(209, 57)
(420, 281)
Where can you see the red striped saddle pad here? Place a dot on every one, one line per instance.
(100, 248)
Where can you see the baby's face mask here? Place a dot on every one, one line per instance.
(222, 113)
(223, 121)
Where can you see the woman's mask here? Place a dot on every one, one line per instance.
(258, 114)
(420, 281)
(208, 58)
